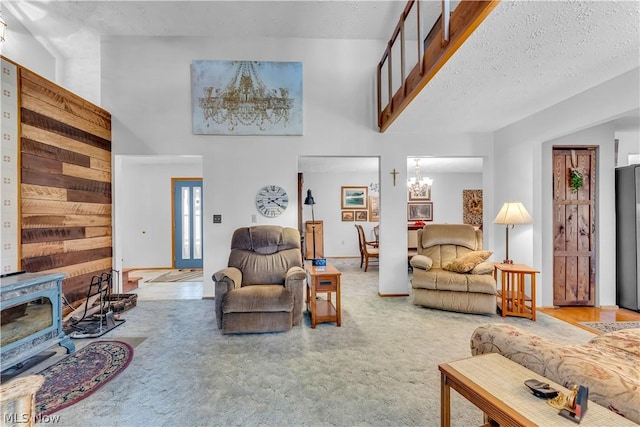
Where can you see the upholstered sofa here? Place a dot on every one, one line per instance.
(262, 289)
(451, 271)
(609, 365)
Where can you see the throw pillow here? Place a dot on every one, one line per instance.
(466, 263)
(482, 268)
(421, 261)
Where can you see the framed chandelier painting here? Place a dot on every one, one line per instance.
(246, 97)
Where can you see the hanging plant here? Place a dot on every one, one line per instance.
(576, 180)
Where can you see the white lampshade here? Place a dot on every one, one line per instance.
(513, 213)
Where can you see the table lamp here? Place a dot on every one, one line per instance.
(511, 213)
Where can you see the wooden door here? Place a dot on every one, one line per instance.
(574, 266)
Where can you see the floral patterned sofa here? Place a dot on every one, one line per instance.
(608, 364)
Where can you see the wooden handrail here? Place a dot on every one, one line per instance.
(433, 53)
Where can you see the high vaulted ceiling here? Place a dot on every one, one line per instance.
(526, 56)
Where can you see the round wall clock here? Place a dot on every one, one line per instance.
(272, 200)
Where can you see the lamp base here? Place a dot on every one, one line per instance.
(507, 261)
(319, 262)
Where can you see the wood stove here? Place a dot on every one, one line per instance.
(31, 311)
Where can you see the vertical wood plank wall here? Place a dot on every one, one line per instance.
(65, 149)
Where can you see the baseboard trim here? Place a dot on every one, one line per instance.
(392, 295)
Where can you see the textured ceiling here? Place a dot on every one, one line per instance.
(526, 56)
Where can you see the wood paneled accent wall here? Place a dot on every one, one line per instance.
(65, 148)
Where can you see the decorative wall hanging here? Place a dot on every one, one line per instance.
(348, 215)
(361, 215)
(246, 97)
(420, 211)
(354, 197)
(374, 208)
(472, 207)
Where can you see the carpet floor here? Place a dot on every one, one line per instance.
(605, 327)
(379, 369)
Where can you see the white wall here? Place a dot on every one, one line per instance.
(340, 238)
(446, 194)
(22, 48)
(628, 143)
(516, 178)
(605, 254)
(146, 87)
(143, 193)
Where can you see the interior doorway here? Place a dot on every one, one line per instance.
(574, 201)
(327, 177)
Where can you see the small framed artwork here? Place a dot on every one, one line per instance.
(354, 197)
(420, 211)
(348, 215)
(374, 208)
(361, 215)
(423, 194)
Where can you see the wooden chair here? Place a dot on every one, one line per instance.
(18, 399)
(367, 249)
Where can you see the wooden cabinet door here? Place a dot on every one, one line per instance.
(573, 227)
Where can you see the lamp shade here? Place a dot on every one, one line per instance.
(309, 199)
(513, 213)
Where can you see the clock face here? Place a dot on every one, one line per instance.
(271, 200)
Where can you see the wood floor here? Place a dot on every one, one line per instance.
(574, 315)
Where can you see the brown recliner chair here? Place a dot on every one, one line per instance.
(262, 289)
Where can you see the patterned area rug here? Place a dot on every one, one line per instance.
(80, 374)
(182, 275)
(604, 327)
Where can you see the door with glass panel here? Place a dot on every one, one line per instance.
(187, 222)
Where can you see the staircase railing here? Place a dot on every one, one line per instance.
(412, 59)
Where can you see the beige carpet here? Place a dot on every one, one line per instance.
(182, 275)
(605, 327)
(380, 368)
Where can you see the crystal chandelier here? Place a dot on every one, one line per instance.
(246, 100)
(419, 185)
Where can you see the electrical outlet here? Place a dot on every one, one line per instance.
(254, 218)
(217, 219)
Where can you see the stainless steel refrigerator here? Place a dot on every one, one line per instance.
(628, 237)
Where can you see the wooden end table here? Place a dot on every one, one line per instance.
(512, 298)
(495, 385)
(323, 280)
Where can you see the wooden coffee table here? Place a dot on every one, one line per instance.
(323, 280)
(495, 385)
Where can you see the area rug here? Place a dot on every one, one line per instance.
(604, 327)
(80, 374)
(182, 275)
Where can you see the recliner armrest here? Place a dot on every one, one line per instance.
(295, 273)
(225, 280)
(230, 275)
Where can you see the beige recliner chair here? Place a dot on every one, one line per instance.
(262, 289)
(450, 271)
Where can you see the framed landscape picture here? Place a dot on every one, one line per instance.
(354, 197)
(348, 215)
(361, 215)
(420, 211)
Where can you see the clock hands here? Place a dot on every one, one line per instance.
(274, 201)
